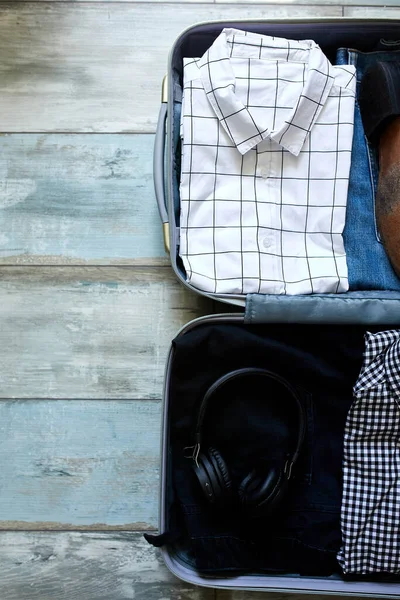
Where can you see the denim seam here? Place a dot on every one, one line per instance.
(310, 430)
(374, 184)
(353, 58)
(300, 542)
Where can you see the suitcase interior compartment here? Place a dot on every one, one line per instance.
(330, 34)
(177, 555)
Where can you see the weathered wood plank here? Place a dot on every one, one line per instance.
(78, 199)
(89, 332)
(376, 3)
(374, 12)
(111, 1)
(95, 566)
(319, 2)
(67, 66)
(76, 464)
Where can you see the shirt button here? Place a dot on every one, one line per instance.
(266, 243)
(264, 172)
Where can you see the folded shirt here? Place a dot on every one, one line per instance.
(267, 126)
(370, 514)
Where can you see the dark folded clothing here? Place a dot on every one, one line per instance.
(323, 362)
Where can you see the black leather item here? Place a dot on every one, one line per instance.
(379, 98)
(259, 493)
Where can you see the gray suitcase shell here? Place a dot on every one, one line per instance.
(369, 307)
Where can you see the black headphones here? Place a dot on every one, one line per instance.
(258, 493)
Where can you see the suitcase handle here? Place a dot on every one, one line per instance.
(158, 164)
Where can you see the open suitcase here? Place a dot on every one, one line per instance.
(363, 308)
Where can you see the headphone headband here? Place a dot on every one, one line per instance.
(248, 372)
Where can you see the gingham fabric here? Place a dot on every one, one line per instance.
(371, 465)
(267, 126)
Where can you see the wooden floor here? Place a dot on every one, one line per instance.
(88, 303)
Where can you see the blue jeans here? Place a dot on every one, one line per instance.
(368, 265)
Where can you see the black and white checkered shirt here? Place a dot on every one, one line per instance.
(371, 467)
(267, 126)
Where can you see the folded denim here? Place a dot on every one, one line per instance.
(367, 262)
(322, 362)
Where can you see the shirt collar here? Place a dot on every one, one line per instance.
(381, 362)
(392, 367)
(219, 83)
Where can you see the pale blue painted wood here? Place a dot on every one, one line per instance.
(389, 11)
(72, 464)
(78, 198)
(98, 67)
(88, 332)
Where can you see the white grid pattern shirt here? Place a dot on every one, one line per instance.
(267, 127)
(371, 463)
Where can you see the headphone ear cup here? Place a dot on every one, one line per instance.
(259, 494)
(221, 469)
(201, 472)
(213, 476)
